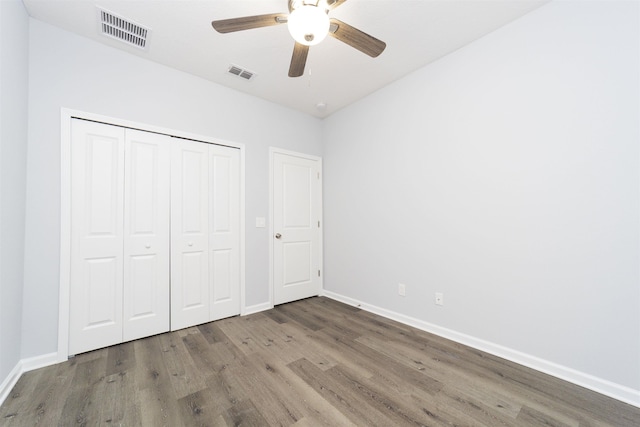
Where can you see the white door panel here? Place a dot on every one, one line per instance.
(296, 224)
(296, 195)
(146, 242)
(97, 166)
(190, 294)
(224, 231)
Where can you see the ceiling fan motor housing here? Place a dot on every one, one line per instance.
(321, 4)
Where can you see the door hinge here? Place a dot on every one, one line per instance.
(318, 224)
(318, 175)
(318, 273)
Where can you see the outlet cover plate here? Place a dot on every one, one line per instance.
(402, 289)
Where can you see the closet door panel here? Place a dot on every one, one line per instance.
(146, 227)
(224, 231)
(189, 234)
(97, 176)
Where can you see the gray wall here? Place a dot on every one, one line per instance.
(73, 72)
(506, 176)
(13, 149)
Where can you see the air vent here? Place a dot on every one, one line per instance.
(241, 72)
(116, 27)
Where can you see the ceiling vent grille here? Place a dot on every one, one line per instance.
(241, 72)
(116, 27)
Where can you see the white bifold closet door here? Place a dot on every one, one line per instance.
(205, 233)
(119, 286)
(155, 234)
(146, 234)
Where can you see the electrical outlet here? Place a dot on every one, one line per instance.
(439, 298)
(402, 289)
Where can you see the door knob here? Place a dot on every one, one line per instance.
(190, 243)
(278, 235)
(148, 246)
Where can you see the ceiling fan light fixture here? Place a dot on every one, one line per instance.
(308, 24)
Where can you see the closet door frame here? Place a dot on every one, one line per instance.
(66, 116)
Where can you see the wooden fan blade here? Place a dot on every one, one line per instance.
(356, 38)
(332, 4)
(298, 60)
(249, 22)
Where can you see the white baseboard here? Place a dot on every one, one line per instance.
(9, 382)
(257, 308)
(25, 365)
(38, 362)
(599, 385)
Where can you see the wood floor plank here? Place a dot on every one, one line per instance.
(83, 404)
(282, 381)
(477, 409)
(392, 405)
(198, 409)
(185, 377)
(276, 316)
(333, 305)
(293, 342)
(529, 416)
(321, 317)
(293, 311)
(227, 388)
(212, 333)
(276, 407)
(414, 358)
(150, 372)
(58, 392)
(311, 362)
(274, 339)
(16, 408)
(43, 395)
(340, 395)
(120, 358)
(237, 330)
(198, 348)
(159, 406)
(398, 376)
(120, 403)
(158, 402)
(244, 413)
(343, 353)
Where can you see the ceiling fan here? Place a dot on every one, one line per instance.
(309, 24)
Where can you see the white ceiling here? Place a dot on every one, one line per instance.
(417, 32)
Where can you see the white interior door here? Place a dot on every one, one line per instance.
(296, 226)
(146, 234)
(97, 176)
(190, 296)
(224, 231)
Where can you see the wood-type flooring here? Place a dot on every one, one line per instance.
(307, 363)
